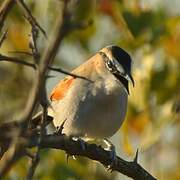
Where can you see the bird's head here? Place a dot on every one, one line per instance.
(118, 62)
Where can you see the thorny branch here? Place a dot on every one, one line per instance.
(17, 143)
(94, 152)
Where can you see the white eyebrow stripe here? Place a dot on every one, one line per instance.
(109, 57)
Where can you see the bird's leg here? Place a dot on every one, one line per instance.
(77, 139)
(74, 138)
(111, 148)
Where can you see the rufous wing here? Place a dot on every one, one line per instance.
(61, 89)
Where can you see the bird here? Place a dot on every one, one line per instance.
(94, 106)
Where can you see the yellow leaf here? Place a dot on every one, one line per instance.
(18, 36)
(126, 142)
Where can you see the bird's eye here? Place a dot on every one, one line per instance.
(110, 64)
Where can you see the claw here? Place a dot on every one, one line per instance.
(67, 158)
(81, 142)
(136, 156)
(111, 148)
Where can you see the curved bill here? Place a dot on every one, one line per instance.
(130, 78)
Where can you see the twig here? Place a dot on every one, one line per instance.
(34, 164)
(43, 101)
(4, 10)
(18, 152)
(68, 73)
(21, 52)
(3, 37)
(16, 60)
(30, 17)
(25, 63)
(33, 42)
(36, 159)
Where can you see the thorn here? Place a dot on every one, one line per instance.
(136, 156)
(60, 128)
(49, 76)
(67, 158)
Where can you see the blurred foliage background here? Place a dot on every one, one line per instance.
(150, 32)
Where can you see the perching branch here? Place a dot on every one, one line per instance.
(131, 169)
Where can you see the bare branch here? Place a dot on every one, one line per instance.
(25, 63)
(21, 52)
(30, 17)
(3, 37)
(33, 44)
(4, 10)
(16, 152)
(34, 164)
(16, 60)
(67, 73)
(131, 169)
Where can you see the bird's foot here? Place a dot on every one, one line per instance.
(78, 139)
(113, 159)
(82, 144)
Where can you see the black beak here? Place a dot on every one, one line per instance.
(130, 78)
(125, 79)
